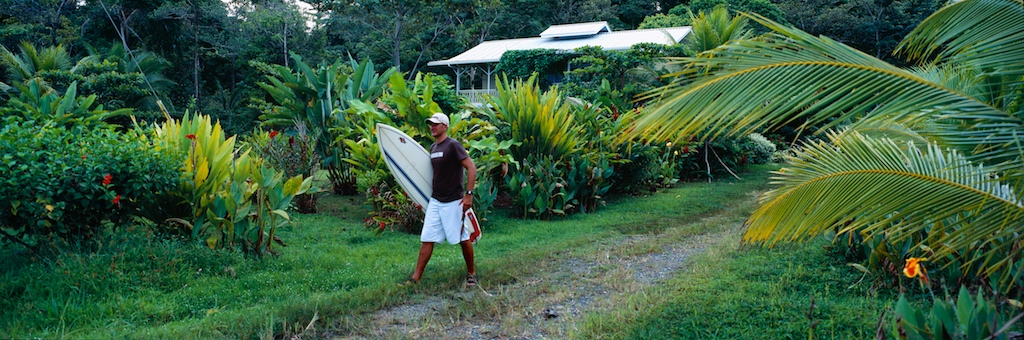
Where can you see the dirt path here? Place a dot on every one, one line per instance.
(551, 304)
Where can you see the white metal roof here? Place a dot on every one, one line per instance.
(491, 51)
(576, 30)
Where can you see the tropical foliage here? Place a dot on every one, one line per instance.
(935, 194)
(715, 28)
(64, 184)
(235, 200)
(315, 99)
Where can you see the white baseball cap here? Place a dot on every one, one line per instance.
(438, 118)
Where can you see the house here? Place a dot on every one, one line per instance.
(474, 69)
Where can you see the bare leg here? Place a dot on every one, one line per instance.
(467, 253)
(426, 249)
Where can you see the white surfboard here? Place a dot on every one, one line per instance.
(408, 161)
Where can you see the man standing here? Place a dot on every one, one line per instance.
(443, 220)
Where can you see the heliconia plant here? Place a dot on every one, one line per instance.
(236, 199)
(964, 318)
(539, 189)
(293, 153)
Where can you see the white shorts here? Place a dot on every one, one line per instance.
(443, 222)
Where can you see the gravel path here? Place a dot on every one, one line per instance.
(549, 305)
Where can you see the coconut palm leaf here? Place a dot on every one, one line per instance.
(987, 34)
(861, 184)
(886, 128)
(953, 77)
(710, 30)
(790, 76)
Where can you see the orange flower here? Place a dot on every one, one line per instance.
(117, 201)
(107, 178)
(913, 268)
(273, 134)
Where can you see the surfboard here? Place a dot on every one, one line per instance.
(408, 161)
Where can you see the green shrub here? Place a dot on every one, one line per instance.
(444, 93)
(759, 150)
(641, 171)
(705, 161)
(319, 99)
(616, 75)
(392, 208)
(63, 182)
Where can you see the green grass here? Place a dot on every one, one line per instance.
(766, 294)
(736, 291)
(139, 285)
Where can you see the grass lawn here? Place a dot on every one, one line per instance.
(743, 292)
(334, 271)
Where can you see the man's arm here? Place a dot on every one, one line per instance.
(467, 200)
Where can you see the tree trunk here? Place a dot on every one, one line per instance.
(396, 51)
(195, 49)
(285, 38)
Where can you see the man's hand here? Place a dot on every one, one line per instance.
(467, 202)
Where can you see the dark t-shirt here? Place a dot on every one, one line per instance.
(446, 158)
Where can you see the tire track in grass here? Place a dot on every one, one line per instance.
(552, 303)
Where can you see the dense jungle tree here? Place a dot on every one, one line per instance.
(874, 27)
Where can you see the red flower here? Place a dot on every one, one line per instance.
(191, 136)
(381, 226)
(117, 201)
(686, 149)
(273, 134)
(107, 178)
(83, 156)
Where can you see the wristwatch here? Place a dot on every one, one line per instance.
(469, 192)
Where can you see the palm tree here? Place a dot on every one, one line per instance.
(905, 148)
(150, 65)
(27, 65)
(710, 30)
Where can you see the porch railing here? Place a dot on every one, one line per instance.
(476, 96)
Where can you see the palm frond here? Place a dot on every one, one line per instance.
(984, 35)
(951, 76)
(885, 128)
(861, 184)
(988, 34)
(792, 76)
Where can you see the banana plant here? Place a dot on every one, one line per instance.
(317, 98)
